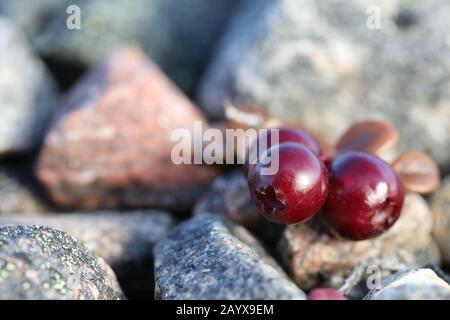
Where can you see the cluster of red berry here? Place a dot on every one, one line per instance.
(357, 194)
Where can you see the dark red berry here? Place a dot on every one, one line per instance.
(365, 196)
(326, 294)
(288, 135)
(284, 135)
(296, 191)
(327, 160)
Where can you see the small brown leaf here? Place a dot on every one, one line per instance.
(418, 172)
(326, 148)
(371, 136)
(250, 116)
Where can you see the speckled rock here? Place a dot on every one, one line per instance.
(27, 93)
(440, 205)
(316, 258)
(124, 240)
(329, 69)
(17, 197)
(178, 34)
(43, 263)
(229, 196)
(421, 284)
(111, 145)
(208, 257)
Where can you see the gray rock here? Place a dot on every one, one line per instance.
(210, 258)
(230, 197)
(124, 240)
(43, 263)
(27, 93)
(440, 205)
(17, 197)
(178, 34)
(316, 258)
(421, 284)
(30, 15)
(318, 63)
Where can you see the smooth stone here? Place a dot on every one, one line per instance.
(421, 284)
(27, 93)
(208, 257)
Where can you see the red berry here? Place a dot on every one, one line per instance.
(284, 135)
(296, 191)
(288, 135)
(365, 197)
(326, 294)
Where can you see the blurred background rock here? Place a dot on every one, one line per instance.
(177, 34)
(318, 63)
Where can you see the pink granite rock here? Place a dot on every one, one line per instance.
(110, 146)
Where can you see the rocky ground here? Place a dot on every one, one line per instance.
(93, 207)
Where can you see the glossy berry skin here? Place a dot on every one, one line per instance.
(365, 197)
(296, 191)
(284, 135)
(289, 135)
